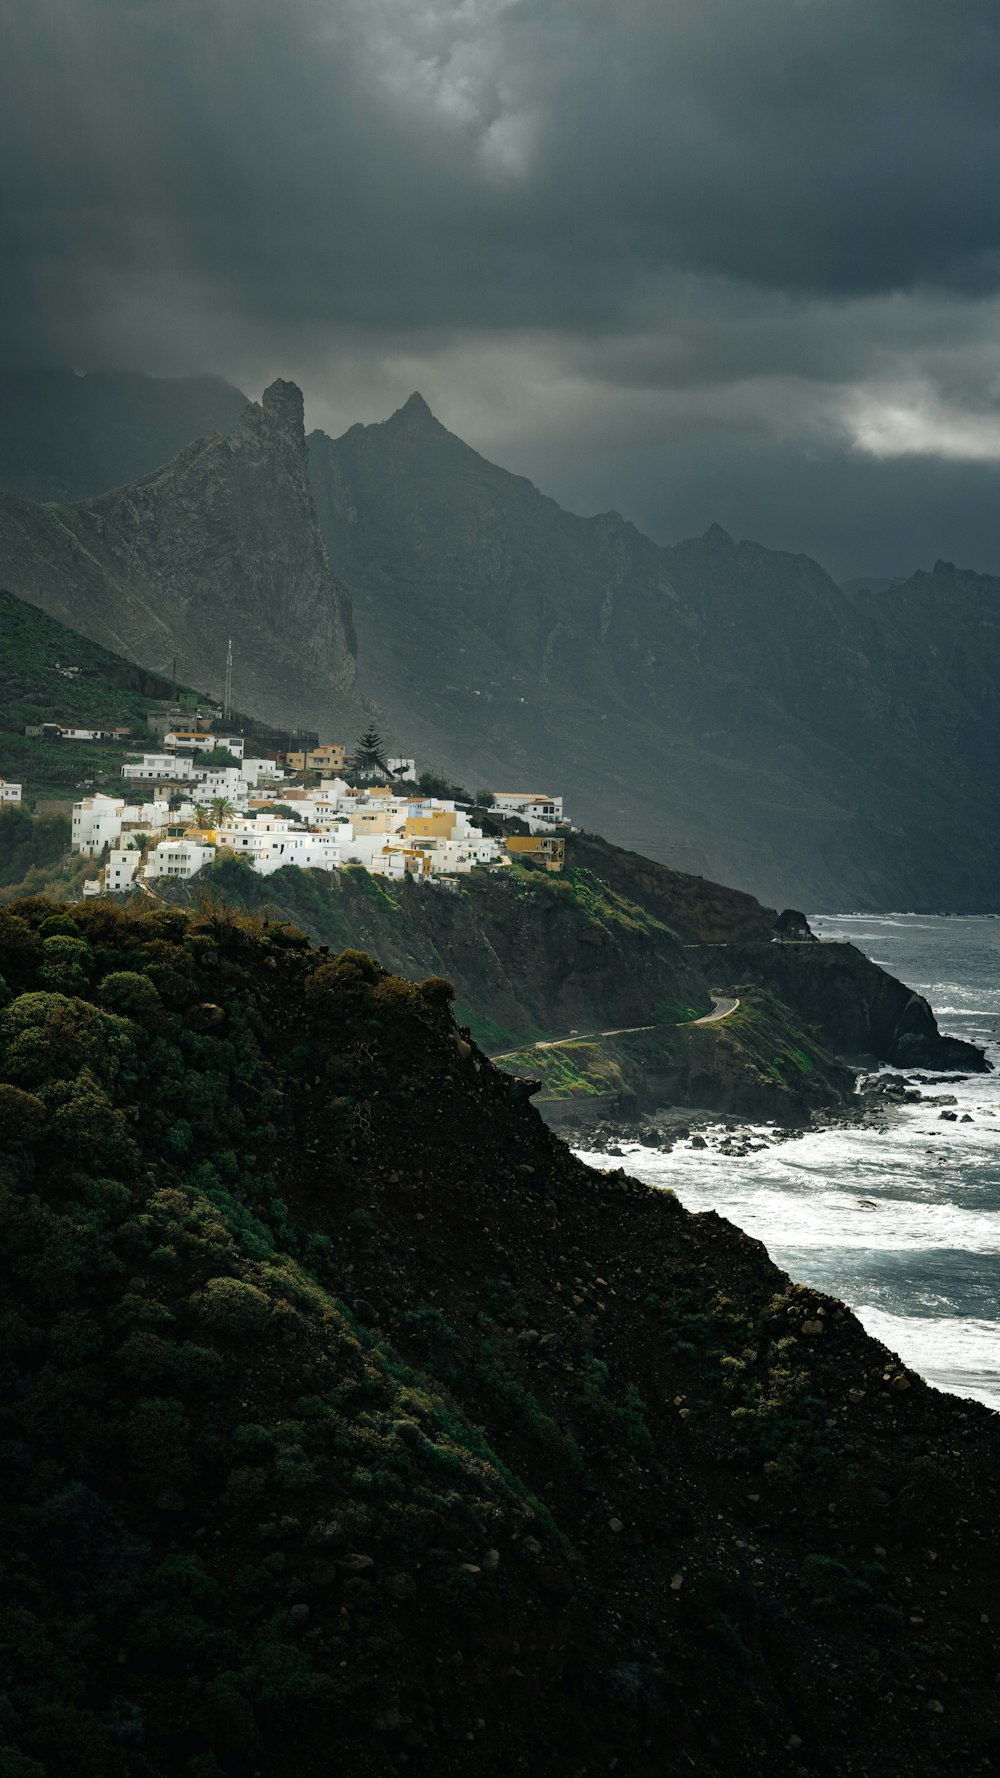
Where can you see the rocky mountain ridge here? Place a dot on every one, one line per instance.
(715, 704)
(222, 541)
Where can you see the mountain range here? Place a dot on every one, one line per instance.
(715, 704)
(220, 543)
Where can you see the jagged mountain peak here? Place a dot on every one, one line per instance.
(415, 415)
(716, 534)
(283, 401)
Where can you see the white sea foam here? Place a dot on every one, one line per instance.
(903, 1224)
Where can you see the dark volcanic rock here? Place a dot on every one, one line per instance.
(221, 542)
(857, 1008)
(720, 705)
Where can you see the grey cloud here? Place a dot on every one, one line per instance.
(496, 165)
(732, 223)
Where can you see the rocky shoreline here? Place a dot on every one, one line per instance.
(878, 1098)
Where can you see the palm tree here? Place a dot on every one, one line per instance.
(222, 808)
(201, 814)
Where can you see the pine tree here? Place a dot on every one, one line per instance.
(369, 752)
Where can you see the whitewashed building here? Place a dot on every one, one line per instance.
(120, 871)
(156, 768)
(9, 793)
(197, 740)
(542, 813)
(178, 858)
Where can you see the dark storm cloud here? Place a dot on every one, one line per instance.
(484, 164)
(771, 219)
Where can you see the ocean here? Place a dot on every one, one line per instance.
(903, 1225)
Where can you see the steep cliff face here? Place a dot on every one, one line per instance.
(697, 910)
(529, 957)
(350, 1424)
(721, 706)
(857, 1008)
(220, 542)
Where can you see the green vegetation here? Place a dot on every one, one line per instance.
(27, 844)
(602, 907)
(570, 1070)
(331, 1382)
(50, 673)
(158, 1294)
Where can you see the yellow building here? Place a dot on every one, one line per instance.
(439, 825)
(538, 848)
(327, 757)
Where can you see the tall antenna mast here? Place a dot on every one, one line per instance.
(227, 702)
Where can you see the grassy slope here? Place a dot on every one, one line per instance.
(531, 955)
(346, 1416)
(757, 1061)
(109, 692)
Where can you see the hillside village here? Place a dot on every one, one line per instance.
(203, 796)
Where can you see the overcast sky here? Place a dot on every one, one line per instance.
(694, 259)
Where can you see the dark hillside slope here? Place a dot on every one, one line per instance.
(69, 437)
(529, 955)
(719, 705)
(350, 1424)
(535, 956)
(222, 541)
(699, 911)
(955, 614)
(50, 673)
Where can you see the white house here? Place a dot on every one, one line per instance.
(541, 812)
(93, 734)
(198, 741)
(155, 768)
(257, 770)
(221, 781)
(270, 842)
(120, 871)
(100, 821)
(96, 823)
(178, 858)
(9, 793)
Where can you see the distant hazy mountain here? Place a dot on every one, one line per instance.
(222, 541)
(66, 437)
(717, 705)
(864, 586)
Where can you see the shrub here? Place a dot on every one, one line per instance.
(50, 1037)
(437, 990)
(20, 950)
(130, 994)
(235, 1309)
(359, 964)
(394, 995)
(22, 1115)
(59, 926)
(67, 964)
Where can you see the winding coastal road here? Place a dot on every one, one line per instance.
(722, 1006)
